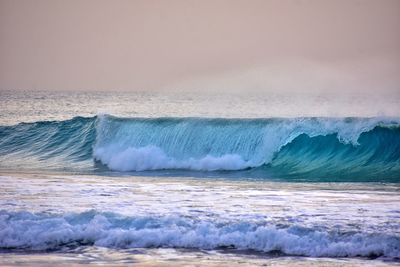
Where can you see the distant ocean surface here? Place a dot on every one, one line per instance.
(208, 179)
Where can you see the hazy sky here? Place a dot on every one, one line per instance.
(302, 45)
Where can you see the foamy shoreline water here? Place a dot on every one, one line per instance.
(324, 220)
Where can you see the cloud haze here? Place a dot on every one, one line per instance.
(204, 45)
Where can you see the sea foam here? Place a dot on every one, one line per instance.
(46, 231)
(153, 158)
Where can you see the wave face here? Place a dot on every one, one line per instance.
(25, 230)
(48, 144)
(349, 149)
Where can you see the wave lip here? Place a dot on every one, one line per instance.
(24, 230)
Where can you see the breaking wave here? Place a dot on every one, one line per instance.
(304, 148)
(25, 230)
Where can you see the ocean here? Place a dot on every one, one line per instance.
(205, 179)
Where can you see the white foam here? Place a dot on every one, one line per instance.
(153, 158)
(40, 231)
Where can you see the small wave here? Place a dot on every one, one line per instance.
(25, 230)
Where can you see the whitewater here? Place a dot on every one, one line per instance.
(96, 178)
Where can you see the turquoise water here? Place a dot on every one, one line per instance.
(310, 149)
(153, 178)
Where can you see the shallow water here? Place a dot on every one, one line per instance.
(90, 256)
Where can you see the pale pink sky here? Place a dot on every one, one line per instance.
(250, 44)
